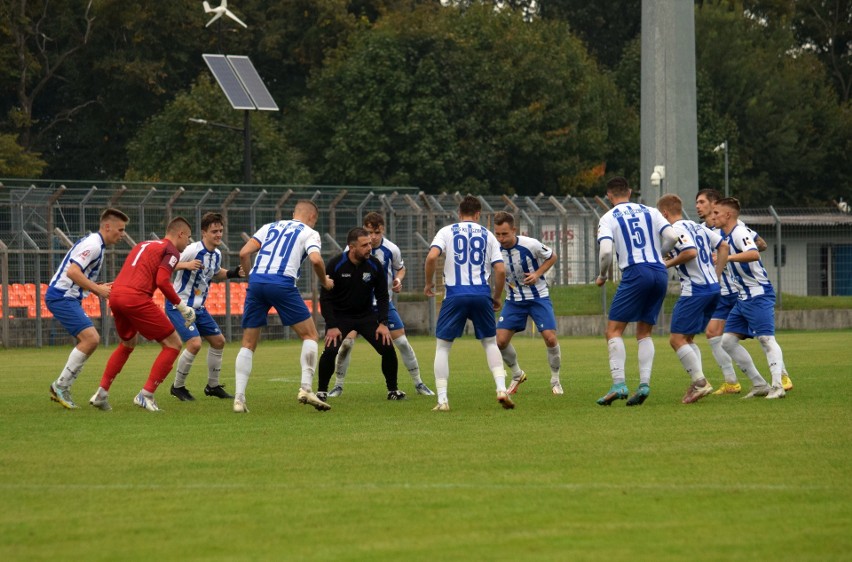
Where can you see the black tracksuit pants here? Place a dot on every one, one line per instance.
(367, 328)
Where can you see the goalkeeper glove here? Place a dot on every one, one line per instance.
(187, 313)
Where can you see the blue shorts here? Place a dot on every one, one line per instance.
(514, 315)
(394, 320)
(640, 295)
(287, 301)
(753, 317)
(725, 306)
(456, 310)
(69, 313)
(204, 324)
(692, 314)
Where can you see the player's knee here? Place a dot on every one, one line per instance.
(730, 342)
(550, 338)
(194, 345)
(766, 341)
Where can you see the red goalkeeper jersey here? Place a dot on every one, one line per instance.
(138, 275)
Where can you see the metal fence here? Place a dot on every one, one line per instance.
(810, 251)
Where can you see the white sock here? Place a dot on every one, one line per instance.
(495, 362)
(691, 363)
(740, 355)
(697, 351)
(510, 357)
(184, 364)
(76, 360)
(774, 357)
(214, 366)
(617, 357)
(243, 371)
(554, 358)
(442, 368)
(646, 359)
(409, 359)
(723, 359)
(308, 359)
(341, 362)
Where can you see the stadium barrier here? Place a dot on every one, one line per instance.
(810, 250)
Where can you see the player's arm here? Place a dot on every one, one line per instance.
(190, 265)
(533, 276)
(745, 257)
(319, 270)
(669, 238)
(686, 255)
(604, 260)
(431, 265)
(380, 292)
(232, 273)
(398, 276)
(499, 282)
(722, 252)
(760, 243)
(76, 275)
(249, 249)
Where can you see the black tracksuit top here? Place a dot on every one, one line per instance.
(354, 288)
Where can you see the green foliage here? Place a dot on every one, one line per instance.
(15, 162)
(170, 148)
(472, 101)
(557, 478)
(786, 133)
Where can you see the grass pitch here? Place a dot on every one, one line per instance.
(558, 478)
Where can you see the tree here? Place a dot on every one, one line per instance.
(473, 100)
(171, 148)
(15, 162)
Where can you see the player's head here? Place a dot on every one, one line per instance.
(617, 188)
(726, 211)
(671, 207)
(358, 241)
(306, 211)
(374, 223)
(469, 208)
(179, 231)
(504, 229)
(212, 229)
(112, 225)
(704, 201)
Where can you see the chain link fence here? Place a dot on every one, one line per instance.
(810, 250)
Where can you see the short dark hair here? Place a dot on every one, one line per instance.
(112, 213)
(618, 186)
(470, 205)
(176, 223)
(374, 219)
(711, 194)
(503, 217)
(355, 234)
(307, 203)
(730, 202)
(211, 218)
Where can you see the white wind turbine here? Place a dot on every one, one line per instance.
(221, 10)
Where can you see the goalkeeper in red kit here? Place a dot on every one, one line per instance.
(148, 266)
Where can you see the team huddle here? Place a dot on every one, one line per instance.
(724, 290)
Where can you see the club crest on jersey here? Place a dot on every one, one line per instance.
(367, 277)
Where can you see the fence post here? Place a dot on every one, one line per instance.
(171, 203)
(778, 255)
(4, 281)
(26, 238)
(432, 301)
(198, 205)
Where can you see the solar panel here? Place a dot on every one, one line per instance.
(253, 83)
(229, 82)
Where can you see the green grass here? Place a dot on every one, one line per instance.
(558, 478)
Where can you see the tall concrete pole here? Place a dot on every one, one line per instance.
(668, 108)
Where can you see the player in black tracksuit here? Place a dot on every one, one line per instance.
(358, 277)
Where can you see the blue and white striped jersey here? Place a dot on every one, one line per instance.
(635, 231)
(284, 245)
(524, 257)
(697, 276)
(87, 253)
(470, 250)
(390, 257)
(749, 279)
(192, 286)
(728, 287)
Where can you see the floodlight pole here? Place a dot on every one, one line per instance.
(247, 148)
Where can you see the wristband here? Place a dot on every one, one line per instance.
(234, 272)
